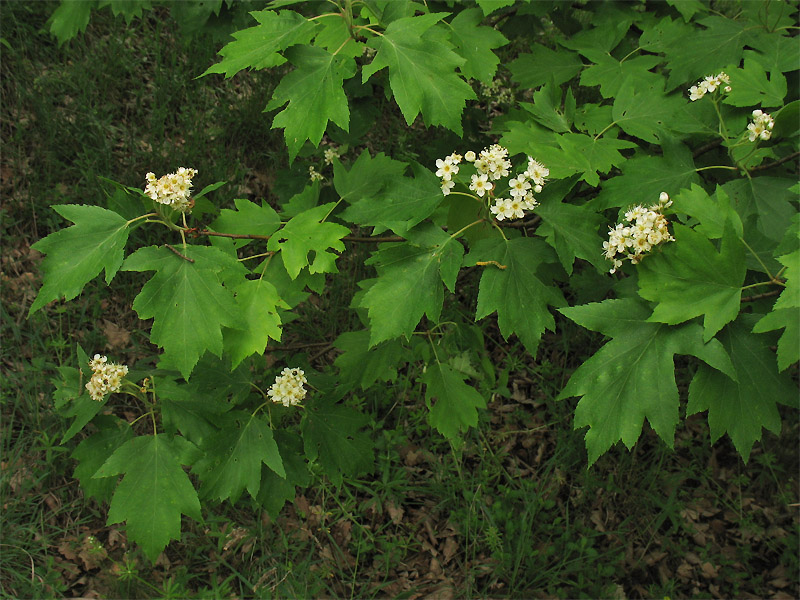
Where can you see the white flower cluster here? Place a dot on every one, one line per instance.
(314, 175)
(330, 154)
(492, 164)
(709, 85)
(106, 377)
(173, 189)
(761, 127)
(647, 227)
(288, 387)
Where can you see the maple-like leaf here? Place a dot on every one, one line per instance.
(69, 19)
(77, 254)
(546, 108)
(421, 71)
(751, 87)
(785, 314)
(258, 303)
(689, 278)
(258, 47)
(643, 178)
(233, 457)
(315, 95)
(307, 232)
(249, 218)
(361, 366)
(527, 69)
(770, 199)
(331, 437)
(154, 492)
(410, 282)
(456, 404)
(399, 205)
(610, 73)
(632, 377)
(475, 44)
(275, 491)
(188, 408)
(367, 176)
(741, 408)
(93, 451)
(187, 301)
(644, 111)
(510, 287)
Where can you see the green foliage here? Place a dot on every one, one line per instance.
(603, 106)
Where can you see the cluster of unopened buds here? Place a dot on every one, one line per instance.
(643, 229)
(172, 190)
(491, 165)
(709, 85)
(288, 387)
(314, 175)
(106, 377)
(761, 127)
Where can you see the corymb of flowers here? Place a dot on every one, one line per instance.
(172, 190)
(492, 165)
(288, 387)
(761, 127)
(642, 230)
(106, 377)
(709, 85)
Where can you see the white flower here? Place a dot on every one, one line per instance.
(519, 187)
(761, 127)
(314, 175)
(106, 377)
(647, 228)
(709, 85)
(536, 171)
(447, 185)
(469, 156)
(446, 168)
(330, 154)
(172, 190)
(480, 184)
(288, 387)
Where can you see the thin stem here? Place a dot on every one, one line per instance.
(758, 258)
(466, 227)
(368, 28)
(185, 226)
(256, 256)
(717, 167)
(152, 214)
(760, 283)
(324, 15)
(606, 128)
(629, 54)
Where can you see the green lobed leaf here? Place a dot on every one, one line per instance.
(475, 43)
(186, 300)
(258, 303)
(249, 218)
(331, 437)
(366, 177)
(689, 278)
(742, 409)
(784, 313)
(409, 284)
(610, 73)
(305, 233)
(400, 204)
(93, 451)
(233, 457)
(275, 490)
(456, 404)
(562, 65)
(70, 18)
(421, 71)
(546, 108)
(77, 254)
(643, 178)
(769, 198)
(632, 377)
(751, 87)
(258, 47)
(361, 366)
(154, 491)
(315, 95)
(644, 112)
(188, 408)
(513, 290)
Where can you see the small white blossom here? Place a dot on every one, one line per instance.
(314, 175)
(446, 168)
(519, 186)
(709, 85)
(447, 185)
(106, 377)
(480, 184)
(761, 127)
(469, 156)
(537, 172)
(330, 154)
(288, 387)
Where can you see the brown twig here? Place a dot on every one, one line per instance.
(775, 163)
(705, 148)
(186, 258)
(374, 240)
(760, 296)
